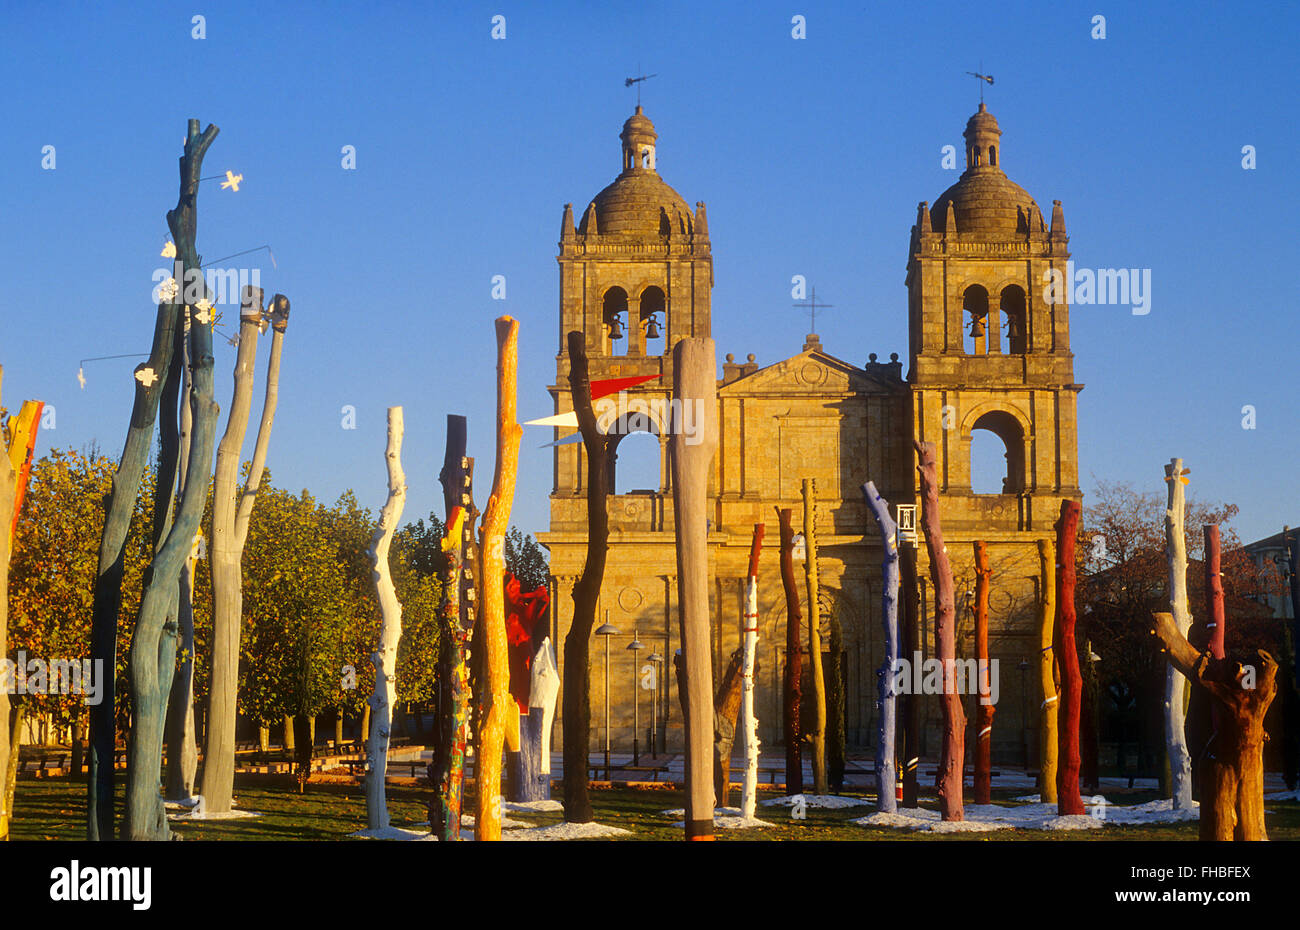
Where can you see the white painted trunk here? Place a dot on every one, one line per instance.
(385, 656)
(748, 722)
(1180, 762)
(543, 689)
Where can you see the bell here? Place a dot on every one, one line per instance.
(977, 325)
(652, 328)
(615, 329)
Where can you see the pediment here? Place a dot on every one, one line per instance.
(810, 371)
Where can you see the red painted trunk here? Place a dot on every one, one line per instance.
(1214, 592)
(1067, 657)
(952, 760)
(984, 713)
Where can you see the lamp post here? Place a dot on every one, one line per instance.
(636, 645)
(1023, 667)
(606, 631)
(656, 660)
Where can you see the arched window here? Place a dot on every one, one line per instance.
(654, 319)
(634, 466)
(993, 156)
(975, 315)
(997, 454)
(614, 314)
(1012, 305)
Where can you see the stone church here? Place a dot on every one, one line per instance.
(985, 352)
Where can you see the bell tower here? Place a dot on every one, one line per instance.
(988, 350)
(635, 278)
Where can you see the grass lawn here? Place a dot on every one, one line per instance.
(55, 809)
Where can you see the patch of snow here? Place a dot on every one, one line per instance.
(1283, 795)
(1161, 811)
(565, 831)
(717, 812)
(1073, 822)
(913, 819)
(211, 815)
(517, 807)
(468, 820)
(393, 833)
(823, 801)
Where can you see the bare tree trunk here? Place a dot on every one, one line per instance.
(586, 593)
(886, 799)
(1050, 704)
(695, 384)
(793, 659)
(1180, 766)
(1232, 781)
(818, 741)
(985, 709)
(1068, 800)
(748, 722)
(496, 520)
(384, 657)
(953, 757)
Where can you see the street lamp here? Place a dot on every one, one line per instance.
(636, 645)
(1023, 667)
(606, 631)
(656, 660)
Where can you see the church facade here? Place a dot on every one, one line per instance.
(986, 352)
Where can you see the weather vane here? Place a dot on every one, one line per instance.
(986, 78)
(637, 82)
(811, 306)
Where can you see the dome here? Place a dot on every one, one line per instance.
(985, 200)
(639, 202)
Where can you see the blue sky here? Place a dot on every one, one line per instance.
(811, 156)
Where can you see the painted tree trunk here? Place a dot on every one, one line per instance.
(836, 734)
(230, 519)
(793, 685)
(384, 658)
(8, 487)
(17, 450)
(953, 755)
(1232, 780)
(1049, 704)
(496, 520)
(748, 720)
(1207, 635)
(182, 748)
(1180, 765)
(586, 593)
(985, 708)
(530, 767)
(456, 622)
(911, 648)
(726, 708)
(1068, 799)
(107, 598)
(818, 736)
(886, 772)
(20, 448)
(695, 385)
(154, 641)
